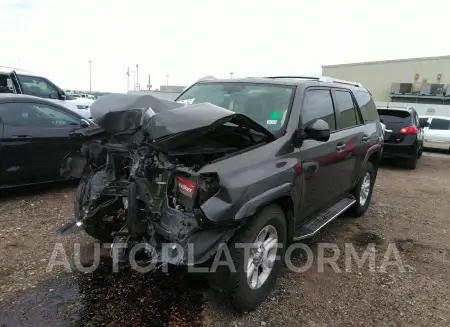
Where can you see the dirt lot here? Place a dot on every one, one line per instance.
(410, 210)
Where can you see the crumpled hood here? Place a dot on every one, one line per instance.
(161, 118)
(121, 112)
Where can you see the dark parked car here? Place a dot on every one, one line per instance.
(261, 161)
(34, 138)
(404, 134)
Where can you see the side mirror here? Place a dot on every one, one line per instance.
(318, 130)
(84, 123)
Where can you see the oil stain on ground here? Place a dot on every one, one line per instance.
(103, 298)
(365, 238)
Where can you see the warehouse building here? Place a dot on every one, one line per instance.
(410, 79)
(421, 82)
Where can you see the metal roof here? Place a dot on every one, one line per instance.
(386, 61)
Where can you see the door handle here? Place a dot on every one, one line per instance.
(24, 137)
(366, 138)
(340, 147)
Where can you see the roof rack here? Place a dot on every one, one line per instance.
(325, 79)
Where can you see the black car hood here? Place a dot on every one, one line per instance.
(166, 123)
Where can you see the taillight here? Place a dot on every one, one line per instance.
(409, 130)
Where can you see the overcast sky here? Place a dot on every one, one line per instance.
(188, 39)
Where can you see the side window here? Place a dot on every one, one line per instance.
(6, 84)
(38, 86)
(441, 124)
(349, 115)
(35, 114)
(318, 104)
(366, 106)
(423, 120)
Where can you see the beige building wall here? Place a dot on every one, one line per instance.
(378, 76)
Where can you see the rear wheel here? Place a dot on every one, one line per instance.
(363, 191)
(412, 162)
(256, 275)
(419, 154)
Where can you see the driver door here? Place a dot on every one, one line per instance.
(35, 140)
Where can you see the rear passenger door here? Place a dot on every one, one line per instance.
(352, 139)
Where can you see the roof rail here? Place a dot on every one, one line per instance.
(328, 79)
(13, 68)
(294, 77)
(325, 79)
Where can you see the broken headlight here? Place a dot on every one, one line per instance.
(192, 191)
(207, 187)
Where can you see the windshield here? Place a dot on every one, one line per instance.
(266, 104)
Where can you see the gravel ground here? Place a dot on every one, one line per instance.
(409, 210)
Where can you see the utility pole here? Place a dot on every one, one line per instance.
(90, 75)
(137, 77)
(231, 75)
(149, 86)
(128, 79)
(167, 80)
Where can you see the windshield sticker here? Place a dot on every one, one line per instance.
(272, 122)
(187, 102)
(275, 115)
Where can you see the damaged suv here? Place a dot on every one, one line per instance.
(258, 161)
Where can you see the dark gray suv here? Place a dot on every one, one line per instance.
(259, 161)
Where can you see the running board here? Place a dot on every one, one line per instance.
(311, 227)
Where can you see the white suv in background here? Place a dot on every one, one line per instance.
(21, 82)
(437, 134)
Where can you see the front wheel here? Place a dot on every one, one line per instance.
(255, 274)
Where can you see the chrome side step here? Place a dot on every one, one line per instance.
(311, 227)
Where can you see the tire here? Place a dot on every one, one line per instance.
(361, 205)
(412, 163)
(419, 154)
(242, 297)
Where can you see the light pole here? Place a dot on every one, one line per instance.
(167, 80)
(90, 75)
(137, 77)
(128, 79)
(231, 75)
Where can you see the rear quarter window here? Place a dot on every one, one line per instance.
(366, 105)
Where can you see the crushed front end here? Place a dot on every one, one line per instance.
(136, 190)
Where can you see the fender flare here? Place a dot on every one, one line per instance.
(373, 149)
(251, 206)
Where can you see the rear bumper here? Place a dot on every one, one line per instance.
(399, 150)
